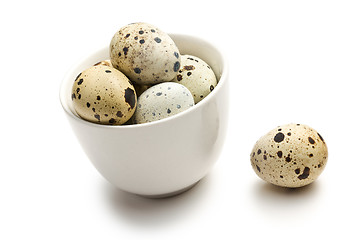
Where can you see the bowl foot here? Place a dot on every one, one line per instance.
(171, 194)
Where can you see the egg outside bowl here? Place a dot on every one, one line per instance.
(164, 157)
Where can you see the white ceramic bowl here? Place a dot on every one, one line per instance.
(164, 157)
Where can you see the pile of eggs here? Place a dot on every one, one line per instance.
(146, 79)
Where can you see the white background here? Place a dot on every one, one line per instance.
(290, 61)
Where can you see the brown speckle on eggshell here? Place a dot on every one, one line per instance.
(104, 63)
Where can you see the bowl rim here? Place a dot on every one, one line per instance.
(221, 82)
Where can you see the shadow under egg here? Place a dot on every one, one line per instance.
(286, 203)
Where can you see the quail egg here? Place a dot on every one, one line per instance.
(104, 95)
(292, 155)
(145, 54)
(197, 76)
(161, 101)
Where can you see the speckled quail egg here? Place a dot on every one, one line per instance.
(292, 155)
(145, 54)
(104, 95)
(161, 101)
(197, 76)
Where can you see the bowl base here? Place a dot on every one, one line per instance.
(171, 194)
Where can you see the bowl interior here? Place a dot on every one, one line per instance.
(187, 45)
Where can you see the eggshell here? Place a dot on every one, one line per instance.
(145, 54)
(161, 101)
(197, 76)
(292, 155)
(104, 95)
(104, 62)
